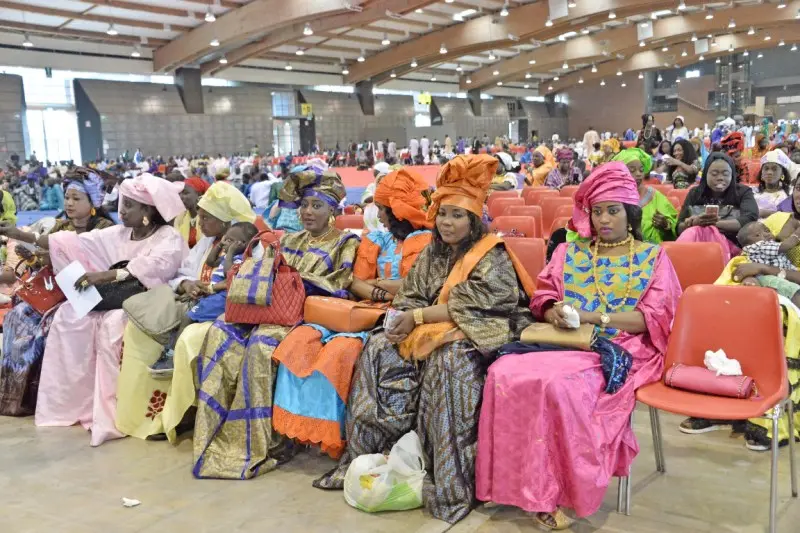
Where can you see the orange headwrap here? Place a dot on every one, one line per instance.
(401, 191)
(464, 182)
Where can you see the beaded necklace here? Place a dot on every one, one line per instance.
(595, 260)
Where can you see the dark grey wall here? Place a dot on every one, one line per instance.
(12, 117)
(90, 130)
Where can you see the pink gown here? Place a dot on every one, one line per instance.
(549, 435)
(81, 362)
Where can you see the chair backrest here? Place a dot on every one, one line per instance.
(534, 196)
(499, 206)
(531, 252)
(558, 223)
(746, 322)
(524, 225)
(568, 191)
(350, 222)
(675, 201)
(679, 193)
(664, 189)
(533, 211)
(496, 195)
(564, 211)
(549, 206)
(696, 263)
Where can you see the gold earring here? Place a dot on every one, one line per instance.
(93, 212)
(146, 221)
(630, 228)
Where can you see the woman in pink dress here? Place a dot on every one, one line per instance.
(550, 437)
(81, 363)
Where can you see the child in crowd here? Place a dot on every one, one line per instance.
(597, 156)
(223, 257)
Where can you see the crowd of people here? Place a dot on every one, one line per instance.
(456, 296)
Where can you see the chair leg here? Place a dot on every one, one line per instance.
(773, 487)
(628, 486)
(620, 494)
(790, 411)
(658, 443)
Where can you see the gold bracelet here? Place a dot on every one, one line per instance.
(419, 319)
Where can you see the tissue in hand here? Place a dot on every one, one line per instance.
(573, 319)
(719, 363)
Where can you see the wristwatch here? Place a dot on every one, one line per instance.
(605, 320)
(419, 319)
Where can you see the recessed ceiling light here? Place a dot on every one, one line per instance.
(112, 30)
(572, 4)
(210, 16)
(214, 42)
(361, 57)
(223, 60)
(419, 11)
(307, 30)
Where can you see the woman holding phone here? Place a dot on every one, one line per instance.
(718, 207)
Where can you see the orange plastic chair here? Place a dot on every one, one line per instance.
(531, 252)
(568, 191)
(696, 263)
(720, 316)
(558, 223)
(533, 211)
(498, 207)
(350, 222)
(496, 195)
(535, 196)
(664, 189)
(675, 201)
(680, 194)
(549, 206)
(524, 225)
(564, 211)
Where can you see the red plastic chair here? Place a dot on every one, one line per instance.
(534, 196)
(665, 189)
(696, 263)
(568, 191)
(498, 207)
(680, 194)
(549, 206)
(350, 222)
(533, 211)
(675, 201)
(531, 252)
(721, 316)
(564, 211)
(558, 223)
(496, 195)
(524, 225)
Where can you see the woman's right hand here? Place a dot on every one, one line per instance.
(402, 327)
(705, 220)
(556, 316)
(192, 289)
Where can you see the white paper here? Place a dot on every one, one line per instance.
(82, 302)
(129, 502)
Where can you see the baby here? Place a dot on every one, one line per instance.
(760, 246)
(224, 256)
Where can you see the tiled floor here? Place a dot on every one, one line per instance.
(52, 481)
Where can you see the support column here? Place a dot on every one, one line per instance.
(90, 131)
(436, 115)
(187, 80)
(365, 97)
(649, 88)
(474, 98)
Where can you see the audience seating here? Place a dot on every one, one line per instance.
(534, 196)
(531, 252)
(496, 195)
(533, 211)
(680, 194)
(558, 223)
(499, 206)
(675, 201)
(506, 223)
(664, 189)
(564, 211)
(568, 191)
(696, 263)
(549, 206)
(350, 222)
(711, 316)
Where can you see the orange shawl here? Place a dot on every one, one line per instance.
(538, 175)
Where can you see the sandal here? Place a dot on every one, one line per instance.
(555, 521)
(695, 426)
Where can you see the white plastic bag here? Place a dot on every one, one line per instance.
(376, 482)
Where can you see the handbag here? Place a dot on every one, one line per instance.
(705, 381)
(156, 312)
(116, 292)
(39, 290)
(266, 290)
(342, 316)
(581, 338)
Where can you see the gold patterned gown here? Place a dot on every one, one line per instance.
(235, 374)
(439, 398)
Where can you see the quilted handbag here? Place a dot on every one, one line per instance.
(40, 289)
(266, 290)
(342, 316)
(700, 379)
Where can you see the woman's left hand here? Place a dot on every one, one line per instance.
(402, 327)
(90, 279)
(660, 221)
(748, 270)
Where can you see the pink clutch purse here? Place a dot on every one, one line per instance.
(700, 379)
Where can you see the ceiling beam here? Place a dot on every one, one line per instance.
(51, 31)
(492, 32)
(374, 12)
(77, 15)
(157, 10)
(624, 40)
(658, 60)
(223, 3)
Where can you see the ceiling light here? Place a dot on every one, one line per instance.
(709, 15)
(112, 30)
(548, 23)
(641, 44)
(136, 52)
(526, 86)
(565, 66)
(746, 53)
(499, 83)
(413, 62)
(660, 78)
(619, 73)
(492, 57)
(210, 16)
(223, 60)
(602, 83)
(678, 80)
(793, 48)
(433, 78)
(288, 66)
(782, 43)
(781, 4)
(684, 53)
(760, 55)
(549, 87)
(469, 81)
(386, 41)
(443, 49)
(714, 42)
(751, 31)
(580, 80)
(556, 78)
(393, 75)
(572, 4)
(797, 15)
(653, 16)
(449, 1)
(732, 23)
(585, 31)
(768, 37)
(504, 11)
(458, 68)
(419, 11)
(694, 37)
(345, 70)
(718, 61)
(496, 73)
(701, 58)
(528, 75)
(307, 30)
(361, 58)
(612, 15)
(682, 6)
(641, 76)
(532, 62)
(730, 48)
(299, 52)
(214, 42)
(623, 84)
(665, 49)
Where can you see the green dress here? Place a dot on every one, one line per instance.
(651, 203)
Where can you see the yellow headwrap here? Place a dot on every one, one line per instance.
(224, 202)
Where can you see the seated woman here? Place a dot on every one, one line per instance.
(718, 207)
(233, 437)
(316, 364)
(148, 406)
(565, 173)
(464, 298)
(682, 165)
(659, 216)
(284, 216)
(82, 356)
(186, 223)
(774, 182)
(542, 163)
(25, 330)
(550, 437)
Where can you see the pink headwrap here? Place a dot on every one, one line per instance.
(158, 192)
(564, 154)
(611, 182)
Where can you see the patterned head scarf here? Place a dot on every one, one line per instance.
(199, 185)
(226, 203)
(157, 192)
(780, 158)
(88, 182)
(464, 182)
(304, 181)
(401, 191)
(636, 154)
(733, 142)
(611, 182)
(564, 154)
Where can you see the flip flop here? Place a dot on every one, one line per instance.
(561, 520)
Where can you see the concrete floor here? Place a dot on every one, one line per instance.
(52, 481)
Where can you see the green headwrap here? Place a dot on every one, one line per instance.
(636, 154)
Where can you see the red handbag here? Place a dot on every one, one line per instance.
(700, 379)
(39, 290)
(266, 290)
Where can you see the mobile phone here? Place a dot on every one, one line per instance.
(712, 210)
(391, 318)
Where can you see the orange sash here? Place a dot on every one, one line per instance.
(424, 339)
